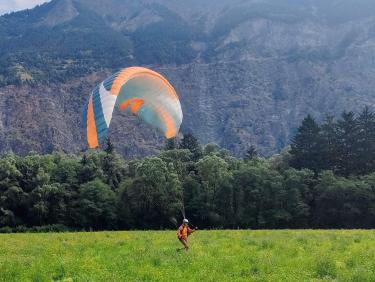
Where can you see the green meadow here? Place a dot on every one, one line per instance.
(284, 255)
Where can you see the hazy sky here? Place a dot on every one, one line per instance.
(7, 6)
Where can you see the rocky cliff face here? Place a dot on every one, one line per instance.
(246, 71)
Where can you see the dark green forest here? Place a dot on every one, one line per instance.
(325, 179)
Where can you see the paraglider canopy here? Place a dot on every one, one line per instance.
(145, 92)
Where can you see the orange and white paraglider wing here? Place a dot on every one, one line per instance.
(145, 92)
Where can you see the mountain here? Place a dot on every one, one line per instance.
(247, 71)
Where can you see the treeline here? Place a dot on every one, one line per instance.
(346, 146)
(99, 190)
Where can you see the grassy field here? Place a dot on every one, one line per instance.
(283, 255)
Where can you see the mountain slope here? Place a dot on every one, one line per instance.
(246, 71)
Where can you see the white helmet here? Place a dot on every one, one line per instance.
(185, 221)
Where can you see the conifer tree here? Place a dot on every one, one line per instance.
(109, 148)
(190, 142)
(330, 144)
(348, 130)
(306, 147)
(170, 144)
(110, 165)
(251, 153)
(365, 150)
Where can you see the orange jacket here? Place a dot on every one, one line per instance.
(184, 231)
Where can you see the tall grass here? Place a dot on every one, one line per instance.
(283, 255)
